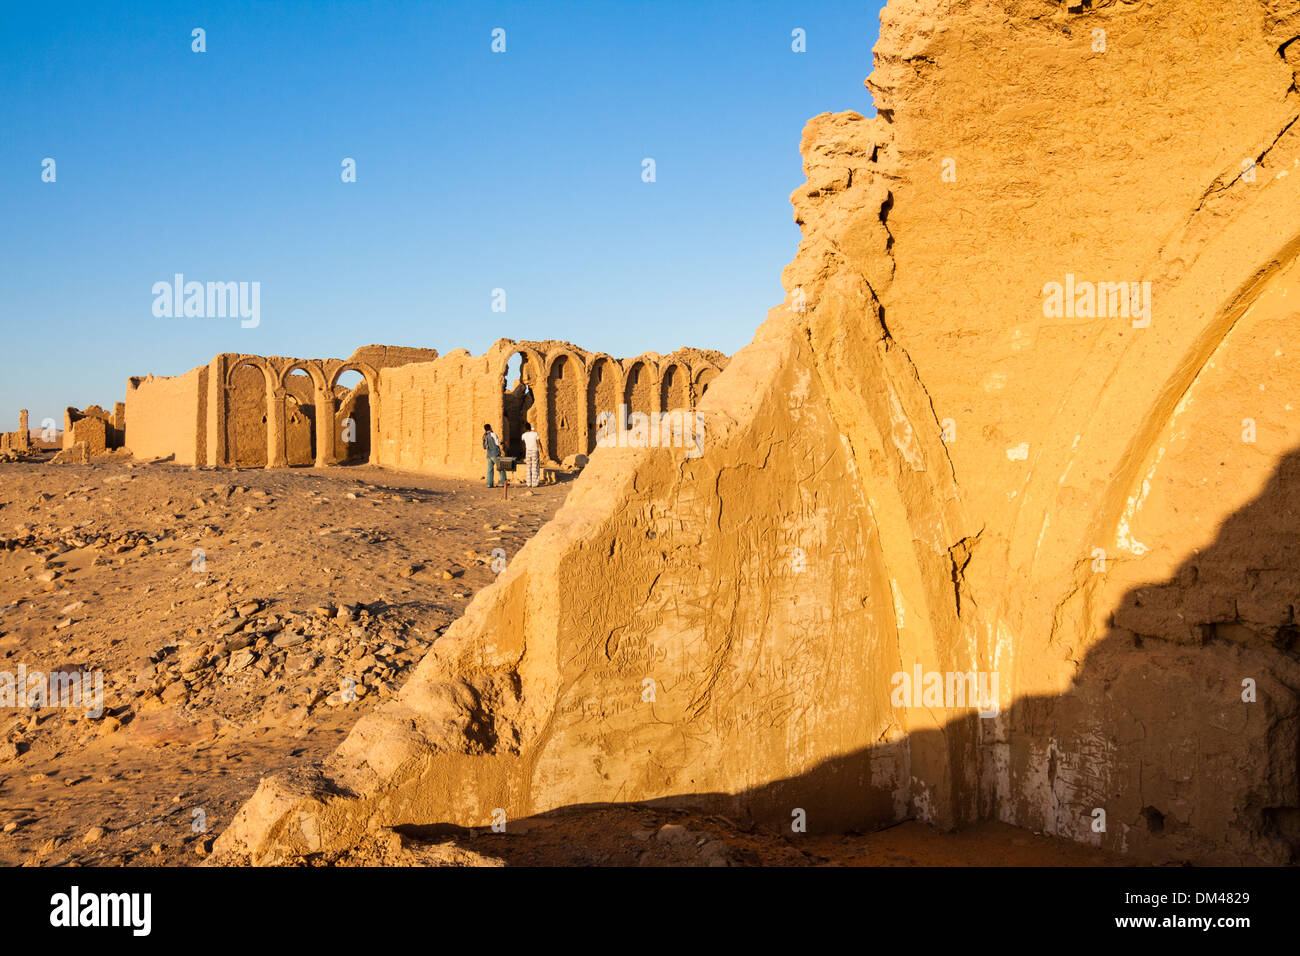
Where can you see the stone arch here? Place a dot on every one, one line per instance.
(251, 438)
(604, 395)
(522, 400)
(675, 387)
(566, 405)
(353, 416)
(298, 394)
(704, 378)
(641, 386)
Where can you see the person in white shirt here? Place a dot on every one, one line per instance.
(532, 455)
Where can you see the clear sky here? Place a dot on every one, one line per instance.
(475, 171)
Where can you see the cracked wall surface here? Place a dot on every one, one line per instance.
(922, 464)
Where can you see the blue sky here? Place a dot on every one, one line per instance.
(475, 171)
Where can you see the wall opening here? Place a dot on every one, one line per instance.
(352, 413)
(299, 419)
(703, 380)
(517, 402)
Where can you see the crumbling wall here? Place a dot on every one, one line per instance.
(92, 426)
(166, 416)
(429, 413)
(19, 442)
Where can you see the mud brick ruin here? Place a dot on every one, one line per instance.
(412, 409)
(918, 467)
(19, 442)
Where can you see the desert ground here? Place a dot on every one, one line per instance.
(232, 611)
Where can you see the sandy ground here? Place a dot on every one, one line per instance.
(243, 620)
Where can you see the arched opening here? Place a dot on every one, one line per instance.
(674, 390)
(639, 392)
(517, 402)
(702, 380)
(246, 416)
(565, 409)
(299, 419)
(602, 400)
(351, 417)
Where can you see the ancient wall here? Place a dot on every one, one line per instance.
(92, 426)
(166, 416)
(20, 441)
(427, 423)
(410, 409)
(1026, 414)
(434, 412)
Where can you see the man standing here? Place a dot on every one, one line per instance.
(532, 455)
(492, 445)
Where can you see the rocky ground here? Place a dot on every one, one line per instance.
(644, 836)
(243, 620)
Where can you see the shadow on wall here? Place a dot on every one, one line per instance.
(1176, 742)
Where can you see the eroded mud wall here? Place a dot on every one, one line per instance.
(430, 410)
(166, 416)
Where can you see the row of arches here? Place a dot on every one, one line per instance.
(564, 394)
(283, 412)
(295, 412)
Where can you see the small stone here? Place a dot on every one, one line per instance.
(109, 725)
(674, 833)
(93, 835)
(296, 663)
(239, 660)
(233, 627)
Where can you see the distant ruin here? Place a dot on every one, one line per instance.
(19, 442)
(411, 408)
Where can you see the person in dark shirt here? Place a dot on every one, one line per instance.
(492, 445)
